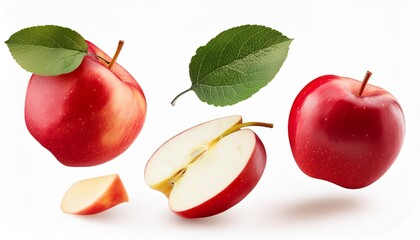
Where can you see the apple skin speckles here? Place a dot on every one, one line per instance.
(361, 138)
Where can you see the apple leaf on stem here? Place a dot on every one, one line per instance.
(236, 64)
(47, 50)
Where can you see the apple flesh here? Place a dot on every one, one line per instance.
(94, 195)
(86, 117)
(208, 168)
(345, 133)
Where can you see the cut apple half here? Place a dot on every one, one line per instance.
(208, 168)
(94, 195)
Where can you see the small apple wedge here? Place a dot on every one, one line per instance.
(94, 195)
(208, 168)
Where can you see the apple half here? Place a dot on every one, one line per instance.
(94, 195)
(208, 168)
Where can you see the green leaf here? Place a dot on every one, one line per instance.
(236, 64)
(47, 50)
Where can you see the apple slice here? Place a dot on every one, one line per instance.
(208, 168)
(94, 195)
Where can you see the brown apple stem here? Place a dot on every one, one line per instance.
(364, 83)
(117, 52)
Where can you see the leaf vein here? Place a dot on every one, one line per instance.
(240, 49)
(227, 43)
(253, 53)
(72, 40)
(202, 59)
(224, 66)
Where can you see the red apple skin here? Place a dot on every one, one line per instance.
(235, 191)
(115, 195)
(343, 138)
(86, 117)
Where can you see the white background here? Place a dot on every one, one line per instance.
(330, 37)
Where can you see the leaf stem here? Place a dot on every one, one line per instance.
(364, 83)
(103, 59)
(177, 96)
(117, 52)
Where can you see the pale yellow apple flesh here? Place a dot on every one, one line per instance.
(208, 168)
(174, 155)
(215, 170)
(94, 195)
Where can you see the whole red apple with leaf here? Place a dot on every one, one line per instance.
(80, 104)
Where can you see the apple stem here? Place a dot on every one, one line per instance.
(117, 52)
(177, 96)
(242, 125)
(364, 83)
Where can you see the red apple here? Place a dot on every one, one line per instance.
(208, 168)
(86, 117)
(345, 131)
(94, 195)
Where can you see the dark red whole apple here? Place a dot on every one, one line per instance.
(345, 131)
